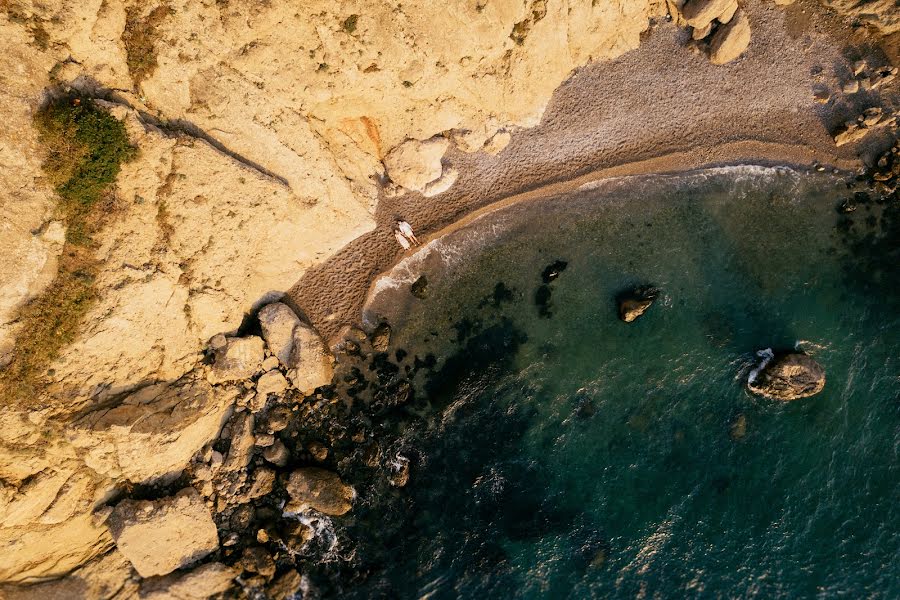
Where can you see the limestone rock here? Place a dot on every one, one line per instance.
(729, 13)
(731, 40)
(381, 338)
(278, 324)
(106, 577)
(442, 183)
(197, 584)
(414, 163)
(154, 432)
(160, 536)
(498, 142)
(700, 13)
(271, 382)
(788, 377)
(632, 308)
(298, 346)
(318, 489)
(240, 358)
(634, 303)
(277, 454)
(242, 442)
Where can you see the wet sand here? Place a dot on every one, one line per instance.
(657, 109)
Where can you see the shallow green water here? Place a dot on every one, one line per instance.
(572, 455)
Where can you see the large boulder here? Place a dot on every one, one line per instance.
(414, 164)
(634, 303)
(787, 377)
(318, 489)
(731, 40)
(160, 536)
(236, 358)
(198, 584)
(298, 346)
(700, 13)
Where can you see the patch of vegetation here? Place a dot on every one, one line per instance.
(84, 149)
(140, 37)
(349, 24)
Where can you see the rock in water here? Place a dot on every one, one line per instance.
(163, 535)
(789, 377)
(419, 288)
(636, 302)
(381, 338)
(319, 490)
(730, 41)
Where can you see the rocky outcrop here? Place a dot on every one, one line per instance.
(236, 358)
(871, 119)
(787, 377)
(880, 14)
(634, 303)
(720, 28)
(154, 432)
(318, 489)
(700, 13)
(160, 536)
(298, 347)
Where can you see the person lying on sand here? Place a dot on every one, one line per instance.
(401, 239)
(406, 229)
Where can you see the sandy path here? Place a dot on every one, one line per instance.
(659, 108)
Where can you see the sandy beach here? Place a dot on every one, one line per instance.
(657, 109)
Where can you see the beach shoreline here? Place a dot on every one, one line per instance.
(656, 109)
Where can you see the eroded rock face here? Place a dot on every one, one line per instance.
(160, 536)
(414, 164)
(318, 489)
(789, 377)
(154, 432)
(700, 13)
(236, 359)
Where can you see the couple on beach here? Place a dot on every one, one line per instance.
(404, 235)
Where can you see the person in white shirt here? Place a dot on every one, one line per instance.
(406, 229)
(398, 235)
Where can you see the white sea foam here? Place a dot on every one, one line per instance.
(766, 355)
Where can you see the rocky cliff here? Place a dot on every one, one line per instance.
(267, 135)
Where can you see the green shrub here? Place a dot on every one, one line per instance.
(84, 149)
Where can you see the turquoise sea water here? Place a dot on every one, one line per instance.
(557, 452)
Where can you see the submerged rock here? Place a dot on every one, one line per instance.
(163, 535)
(553, 271)
(787, 377)
(419, 288)
(635, 303)
(381, 338)
(318, 489)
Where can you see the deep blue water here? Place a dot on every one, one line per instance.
(560, 453)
